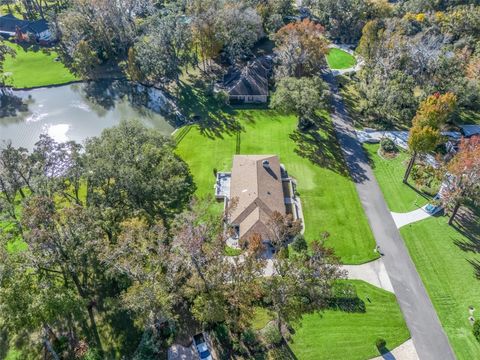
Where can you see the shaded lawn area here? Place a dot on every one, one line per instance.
(338, 59)
(449, 265)
(336, 334)
(329, 199)
(35, 66)
(389, 173)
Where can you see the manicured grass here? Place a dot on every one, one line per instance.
(449, 263)
(338, 59)
(35, 66)
(389, 173)
(329, 199)
(230, 251)
(262, 318)
(336, 334)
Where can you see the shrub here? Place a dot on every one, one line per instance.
(222, 97)
(271, 335)
(387, 145)
(299, 244)
(380, 344)
(476, 330)
(249, 337)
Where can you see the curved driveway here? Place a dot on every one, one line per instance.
(422, 320)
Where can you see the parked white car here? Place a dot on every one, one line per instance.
(202, 347)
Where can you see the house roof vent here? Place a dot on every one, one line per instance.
(266, 164)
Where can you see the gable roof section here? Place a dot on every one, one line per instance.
(38, 26)
(470, 130)
(9, 24)
(258, 191)
(251, 80)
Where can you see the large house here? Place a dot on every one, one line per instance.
(249, 84)
(25, 30)
(260, 186)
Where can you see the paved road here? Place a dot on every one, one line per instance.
(422, 320)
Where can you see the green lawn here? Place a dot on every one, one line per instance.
(330, 201)
(449, 264)
(338, 59)
(35, 67)
(336, 334)
(262, 318)
(389, 173)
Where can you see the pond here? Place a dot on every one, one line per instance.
(78, 111)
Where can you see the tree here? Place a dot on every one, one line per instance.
(207, 42)
(463, 179)
(4, 52)
(157, 59)
(221, 288)
(31, 303)
(133, 170)
(424, 134)
(302, 283)
(344, 19)
(283, 228)
(299, 243)
(96, 32)
(240, 28)
(302, 96)
(85, 60)
(141, 253)
(300, 48)
(63, 246)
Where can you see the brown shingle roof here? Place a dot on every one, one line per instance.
(258, 190)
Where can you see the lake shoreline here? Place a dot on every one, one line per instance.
(83, 109)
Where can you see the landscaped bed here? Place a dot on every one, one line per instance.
(329, 199)
(35, 66)
(337, 334)
(339, 59)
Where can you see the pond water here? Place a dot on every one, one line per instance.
(77, 111)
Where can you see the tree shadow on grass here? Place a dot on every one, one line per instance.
(467, 223)
(348, 304)
(319, 145)
(420, 193)
(213, 119)
(123, 336)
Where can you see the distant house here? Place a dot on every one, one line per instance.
(25, 30)
(470, 130)
(260, 186)
(250, 84)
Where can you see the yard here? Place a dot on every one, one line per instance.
(389, 173)
(329, 199)
(449, 265)
(447, 258)
(338, 59)
(337, 334)
(34, 67)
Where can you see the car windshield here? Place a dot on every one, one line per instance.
(204, 354)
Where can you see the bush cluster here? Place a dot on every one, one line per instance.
(388, 146)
